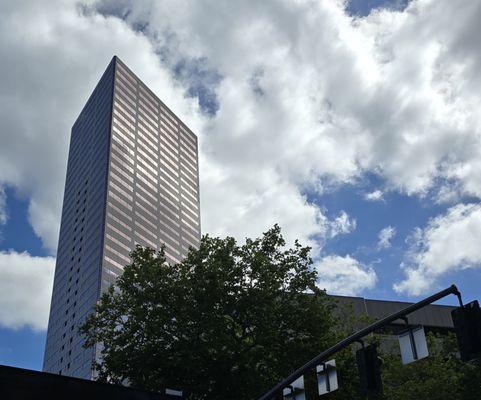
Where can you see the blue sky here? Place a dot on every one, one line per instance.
(355, 128)
(21, 347)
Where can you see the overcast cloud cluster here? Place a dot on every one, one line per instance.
(288, 98)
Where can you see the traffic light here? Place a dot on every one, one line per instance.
(369, 367)
(296, 390)
(413, 345)
(467, 323)
(327, 377)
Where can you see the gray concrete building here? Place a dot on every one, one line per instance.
(132, 178)
(434, 318)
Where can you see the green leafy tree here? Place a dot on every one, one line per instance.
(228, 322)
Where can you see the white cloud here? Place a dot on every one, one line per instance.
(449, 243)
(344, 275)
(376, 195)
(25, 290)
(341, 225)
(339, 97)
(385, 236)
(308, 95)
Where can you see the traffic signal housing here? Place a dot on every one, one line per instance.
(467, 323)
(369, 367)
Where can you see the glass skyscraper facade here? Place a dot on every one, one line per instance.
(132, 178)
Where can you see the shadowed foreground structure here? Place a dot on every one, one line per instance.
(24, 384)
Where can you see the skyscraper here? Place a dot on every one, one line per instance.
(132, 178)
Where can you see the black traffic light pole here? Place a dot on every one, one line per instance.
(357, 336)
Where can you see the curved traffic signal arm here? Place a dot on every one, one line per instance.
(276, 391)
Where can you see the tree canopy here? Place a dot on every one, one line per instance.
(228, 321)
